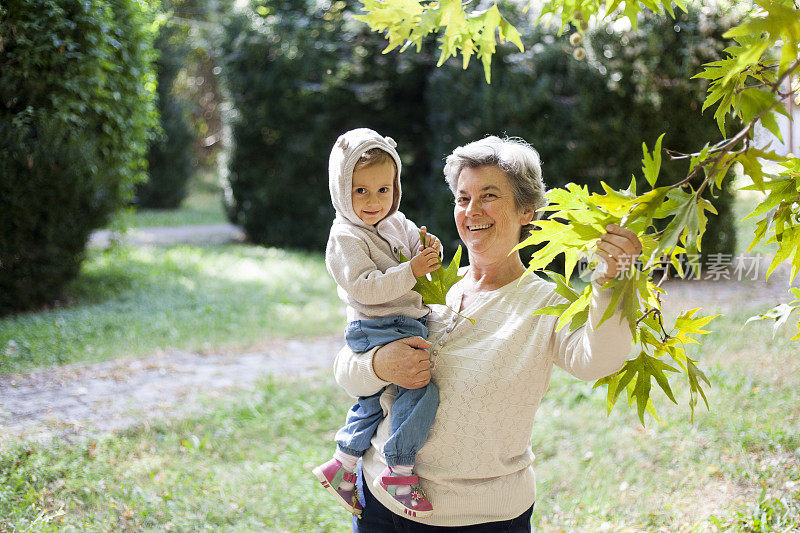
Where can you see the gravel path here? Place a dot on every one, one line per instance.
(90, 399)
(167, 236)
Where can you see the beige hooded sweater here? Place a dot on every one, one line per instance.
(363, 259)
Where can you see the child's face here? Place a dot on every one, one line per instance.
(373, 192)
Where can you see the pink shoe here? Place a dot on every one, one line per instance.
(331, 475)
(414, 504)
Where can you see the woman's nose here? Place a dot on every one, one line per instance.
(474, 206)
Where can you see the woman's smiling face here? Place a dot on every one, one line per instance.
(486, 214)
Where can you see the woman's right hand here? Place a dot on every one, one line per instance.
(404, 362)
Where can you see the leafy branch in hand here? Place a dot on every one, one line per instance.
(434, 289)
(747, 84)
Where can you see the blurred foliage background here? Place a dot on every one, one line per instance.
(255, 93)
(300, 73)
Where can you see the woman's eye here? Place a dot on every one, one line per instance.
(490, 195)
(462, 200)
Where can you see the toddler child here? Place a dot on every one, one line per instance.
(362, 255)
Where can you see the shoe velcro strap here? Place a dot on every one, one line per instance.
(350, 478)
(400, 480)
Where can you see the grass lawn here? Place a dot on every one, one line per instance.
(203, 205)
(245, 465)
(134, 301)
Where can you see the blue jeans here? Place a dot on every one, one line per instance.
(413, 411)
(375, 518)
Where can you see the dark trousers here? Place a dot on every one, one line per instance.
(375, 518)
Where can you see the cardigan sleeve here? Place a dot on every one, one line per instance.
(348, 261)
(354, 373)
(588, 352)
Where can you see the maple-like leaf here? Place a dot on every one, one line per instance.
(687, 324)
(434, 289)
(635, 377)
(575, 310)
(651, 164)
(626, 291)
(781, 313)
(695, 375)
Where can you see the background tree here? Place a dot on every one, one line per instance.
(170, 159)
(587, 117)
(295, 90)
(76, 115)
(299, 75)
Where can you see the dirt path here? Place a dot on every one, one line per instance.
(89, 399)
(168, 236)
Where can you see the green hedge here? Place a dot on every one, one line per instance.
(300, 76)
(76, 112)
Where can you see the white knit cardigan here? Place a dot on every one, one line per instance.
(476, 465)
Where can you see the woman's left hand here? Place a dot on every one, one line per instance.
(618, 249)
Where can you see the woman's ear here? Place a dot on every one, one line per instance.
(527, 215)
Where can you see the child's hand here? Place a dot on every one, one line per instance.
(430, 240)
(424, 262)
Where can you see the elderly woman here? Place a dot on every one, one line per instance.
(476, 466)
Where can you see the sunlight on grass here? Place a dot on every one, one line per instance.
(133, 301)
(203, 205)
(597, 473)
(244, 465)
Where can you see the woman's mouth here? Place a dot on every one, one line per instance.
(479, 227)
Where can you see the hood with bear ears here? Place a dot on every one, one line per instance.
(345, 153)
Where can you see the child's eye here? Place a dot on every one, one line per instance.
(361, 190)
(383, 190)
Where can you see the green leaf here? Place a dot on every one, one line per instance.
(434, 290)
(780, 314)
(626, 290)
(646, 206)
(687, 324)
(789, 240)
(755, 101)
(651, 165)
(780, 190)
(563, 288)
(635, 376)
(685, 218)
(577, 312)
(695, 375)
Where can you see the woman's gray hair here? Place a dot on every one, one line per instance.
(518, 159)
